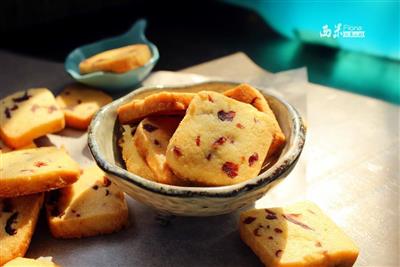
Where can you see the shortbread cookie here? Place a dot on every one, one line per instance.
(152, 137)
(27, 115)
(36, 170)
(163, 103)
(4, 148)
(79, 104)
(117, 60)
(297, 235)
(18, 217)
(220, 141)
(247, 94)
(91, 206)
(133, 160)
(25, 262)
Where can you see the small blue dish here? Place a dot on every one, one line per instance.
(113, 81)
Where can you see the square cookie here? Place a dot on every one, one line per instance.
(248, 94)
(27, 115)
(220, 141)
(91, 206)
(79, 103)
(36, 170)
(297, 235)
(18, 217)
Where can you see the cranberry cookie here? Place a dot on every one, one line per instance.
(36, 170)
(220, 141)
(18, 217)
(297, 235)
(151, 139)
(117, 60)
(79, 104)
(133, 160)
(27, 115)
(162, 103)
(91, 206)
(247, 94)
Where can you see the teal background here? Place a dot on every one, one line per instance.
(368, 66)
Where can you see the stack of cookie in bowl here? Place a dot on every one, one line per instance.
(199, 139)
(78, 201)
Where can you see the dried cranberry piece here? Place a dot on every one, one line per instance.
(198, 140)
(220, 141)
(106, 181)
(255, 232)
(208, 157)
(253, 158)
(271, 217)
(7, 112)
(22, 98)
(253, 100)
(270, 238)
(14, 107)
(40, 164)
(67, 93)
(278, 253)
(210, 99)
(79, 101)
(231, 169)
(239, 125)
(107, 192)
(270, 212)
(149, 127)
(278, 230)
(177, 151)
(249, 220)
(156, 142)
(10, 221)
(95, 187)
(291, 218)
(226, 116)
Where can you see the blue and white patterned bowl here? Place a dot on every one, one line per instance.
(107, 80)
(193, 201)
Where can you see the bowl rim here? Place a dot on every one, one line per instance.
(283, 164)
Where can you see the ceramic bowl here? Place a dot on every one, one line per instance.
(107, 80)
(193, 201)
